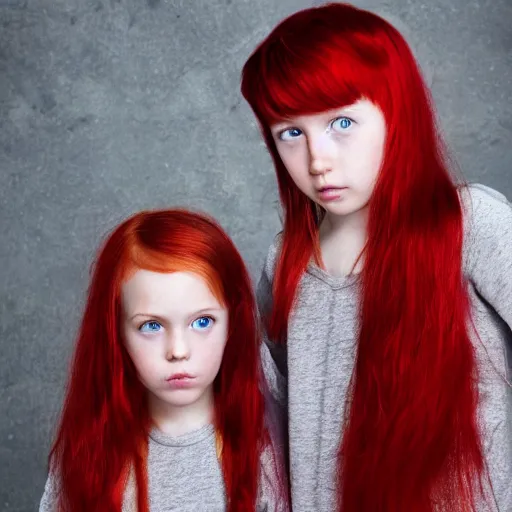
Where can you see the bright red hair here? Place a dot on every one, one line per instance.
(410, 441)
(105, 421)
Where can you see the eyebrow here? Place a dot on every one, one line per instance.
(159, 317)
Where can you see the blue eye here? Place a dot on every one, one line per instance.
(202, 323)
(291, 133)
(150, 326)
(341, 124)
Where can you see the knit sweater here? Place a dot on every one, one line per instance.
(309, 376)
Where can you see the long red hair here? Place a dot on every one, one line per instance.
(410, 441)
(105, 421)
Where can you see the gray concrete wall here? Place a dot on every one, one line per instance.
(111, 106)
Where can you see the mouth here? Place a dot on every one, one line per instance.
(181, 381)
(330, 187)
(330, 193)
(177, 377)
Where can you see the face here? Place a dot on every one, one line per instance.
(175, 331)
(334, 157)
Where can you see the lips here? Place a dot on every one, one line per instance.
(330, 187)
(330, 193)
(179, 376)
(182, 381)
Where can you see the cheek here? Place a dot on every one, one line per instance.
(368, 159)
(375, 162)
(145, 361)
(376, 150)
(210, 359)
(296, 162)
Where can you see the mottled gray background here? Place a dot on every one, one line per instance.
(111, 106)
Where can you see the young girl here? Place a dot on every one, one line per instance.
(388, 294)
(164, 410)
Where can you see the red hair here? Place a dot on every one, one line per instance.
(410, 441)
(105, 421)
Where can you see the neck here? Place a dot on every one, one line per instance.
(177, 420)
(342, 240)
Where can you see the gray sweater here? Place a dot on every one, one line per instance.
(310, 376)
(184, 475)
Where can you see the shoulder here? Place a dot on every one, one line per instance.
(484, 207)
(487, 217)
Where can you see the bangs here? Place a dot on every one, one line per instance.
(306, 73)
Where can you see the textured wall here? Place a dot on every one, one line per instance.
(110, 106)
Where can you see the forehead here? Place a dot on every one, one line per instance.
(163, 292)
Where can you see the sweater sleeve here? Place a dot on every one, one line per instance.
(273, 355)
(489, 248)
(273, 491)
(49, 501)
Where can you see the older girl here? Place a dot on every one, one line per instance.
(388, 294)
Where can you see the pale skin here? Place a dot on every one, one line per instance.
(173, 325)
(341, 150)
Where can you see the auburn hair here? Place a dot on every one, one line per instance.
(411, 441)
(103, 432)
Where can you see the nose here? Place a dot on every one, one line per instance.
(177, 347)
(320, 154)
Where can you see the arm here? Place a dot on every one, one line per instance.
(273, 491)
(273, 356)
(274, 495)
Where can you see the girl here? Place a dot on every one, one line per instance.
(388, 295)
(164, 410)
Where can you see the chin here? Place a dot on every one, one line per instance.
(340, 210)
(345, 208)
(180, 403)
(181, 398)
